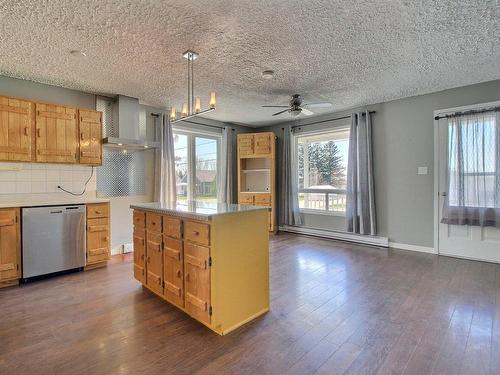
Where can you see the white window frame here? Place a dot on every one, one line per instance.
(191, 154)
(295, 150)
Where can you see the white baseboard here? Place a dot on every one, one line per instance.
(404, 246)
(343, 236)
(117, 250)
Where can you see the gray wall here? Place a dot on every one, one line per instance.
(403, 139)
(45, 93)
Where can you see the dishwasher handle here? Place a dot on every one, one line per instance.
(56, 212)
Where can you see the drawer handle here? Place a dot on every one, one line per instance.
(196, 233)
(39, 132)
(26, 130)
(187, 276)
(179, 274)
(82, 137)
(98, 212)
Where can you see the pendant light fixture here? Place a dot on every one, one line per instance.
(192, 107)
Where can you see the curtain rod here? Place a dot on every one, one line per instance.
(332, 119)
(471, 112)
(196, 123)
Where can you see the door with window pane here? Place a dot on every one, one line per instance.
(196, 161)
(469, 176)
(181, 155)
(205, 184)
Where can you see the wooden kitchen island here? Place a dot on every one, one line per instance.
(209, 260)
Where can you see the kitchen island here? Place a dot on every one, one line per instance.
(209, 260)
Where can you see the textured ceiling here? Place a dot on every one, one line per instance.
(349, 53)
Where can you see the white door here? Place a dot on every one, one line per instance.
(464, 241)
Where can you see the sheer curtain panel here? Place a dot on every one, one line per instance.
(360, 208)
(165, 183)
(473, 170)
(289, 199)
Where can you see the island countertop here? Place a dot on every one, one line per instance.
(197, 210)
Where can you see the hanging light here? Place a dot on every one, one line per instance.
(193, 106)
(212, 100)
(197, 105)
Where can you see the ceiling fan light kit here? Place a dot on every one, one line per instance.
(192, 107)
(296, 108)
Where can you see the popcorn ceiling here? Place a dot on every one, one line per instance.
(349, 53)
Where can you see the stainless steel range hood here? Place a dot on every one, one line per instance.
(126, 114)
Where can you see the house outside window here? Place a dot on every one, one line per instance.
(196, 163)
(322, 171)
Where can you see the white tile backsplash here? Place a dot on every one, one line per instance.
(26, 178)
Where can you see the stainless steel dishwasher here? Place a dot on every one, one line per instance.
(53, 239)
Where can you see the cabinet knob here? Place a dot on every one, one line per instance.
(142, 256)
(179, 274)
(187, 276)
(196, 233)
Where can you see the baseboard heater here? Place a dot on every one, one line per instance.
(342, 236)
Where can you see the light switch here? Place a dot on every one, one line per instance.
(422, 170)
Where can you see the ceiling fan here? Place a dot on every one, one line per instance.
(296, 107)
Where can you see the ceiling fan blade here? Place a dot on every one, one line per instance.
(306, 112)
(275, 106)
(318, 105)
(279, 113)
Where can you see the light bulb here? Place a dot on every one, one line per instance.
(184, 111)
(197, 105)
(212, 100)
(172, 114)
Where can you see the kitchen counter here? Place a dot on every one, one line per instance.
(196, 210)
(32, 200)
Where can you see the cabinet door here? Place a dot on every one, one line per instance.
(245, 144)
(90, 126)
(10, 245)
(173, 271)
(154, 262)
(197, 278)
(97, 240)
(140, 254)
(263, 143)
(56, 134)
(15, 129)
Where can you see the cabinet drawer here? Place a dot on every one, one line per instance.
(153, 222)
(246, 199)
(139, 219)
(171, 227)
(262, 199)
(96, 210)
(97, 257)
(197, 232)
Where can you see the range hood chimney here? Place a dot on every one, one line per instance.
(126, 114)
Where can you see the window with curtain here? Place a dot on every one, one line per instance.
(322, 171)
(473, 170)
(196, 164)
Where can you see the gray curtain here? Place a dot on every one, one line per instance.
(360, 210)
(225, 171)
(289, 197)
(165, 183)
(473, 170)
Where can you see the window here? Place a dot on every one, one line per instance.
(322, 171)
(196, 161)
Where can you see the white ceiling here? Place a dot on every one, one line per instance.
(349, 53)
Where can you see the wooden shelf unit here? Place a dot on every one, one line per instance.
(257, 172)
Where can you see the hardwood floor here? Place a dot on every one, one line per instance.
(336, 308)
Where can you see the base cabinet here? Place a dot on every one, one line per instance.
(98, 234)
(176, 258)
(10, 247)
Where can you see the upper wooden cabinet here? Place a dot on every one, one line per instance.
(49, 133)
(245, 144)
(16, 125)
(10, 246)
(90, 126)
(56, 134)
(255, 144)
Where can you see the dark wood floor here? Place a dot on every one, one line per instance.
(336, 308)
